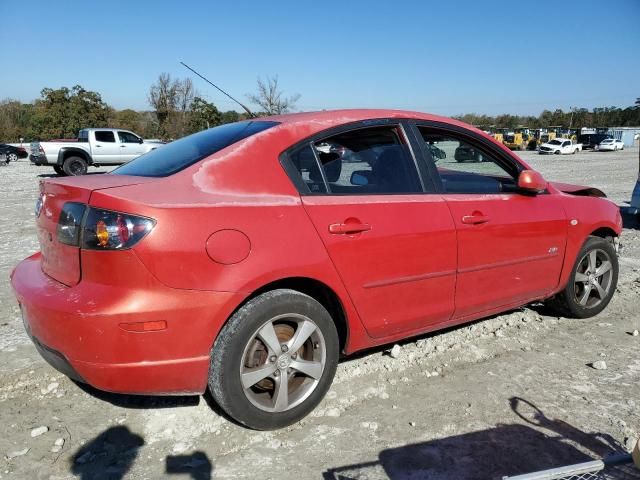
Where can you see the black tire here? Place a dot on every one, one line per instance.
(237, 342)
(75, 166)
(567, 303)
(557, 152)
(12, 157)
(59, 170)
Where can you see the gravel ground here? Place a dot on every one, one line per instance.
(506, 395)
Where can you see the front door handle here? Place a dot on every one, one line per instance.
(347, 228)
(475, 218)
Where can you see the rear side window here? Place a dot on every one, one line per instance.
(105, 136)
(367, 161)
(175, 156)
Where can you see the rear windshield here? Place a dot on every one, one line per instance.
(175, 156)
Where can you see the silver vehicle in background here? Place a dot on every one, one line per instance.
(94, 146)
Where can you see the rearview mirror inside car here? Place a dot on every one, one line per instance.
(531, 181)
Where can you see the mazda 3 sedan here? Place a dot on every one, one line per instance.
(249, 257)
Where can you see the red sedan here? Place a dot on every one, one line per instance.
(248, 257)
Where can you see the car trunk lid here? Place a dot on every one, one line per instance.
(59, 260)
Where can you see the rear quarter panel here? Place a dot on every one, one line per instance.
(241, 188)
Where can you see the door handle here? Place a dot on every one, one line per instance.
(122, 146)
(475, 218)
(98, 146)
(347, 228)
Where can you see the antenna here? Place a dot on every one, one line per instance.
(251, 114)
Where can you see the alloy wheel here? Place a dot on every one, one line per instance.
(283, 362)
(593, 278)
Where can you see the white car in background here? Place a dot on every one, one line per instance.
(559, 146)
(611, 145)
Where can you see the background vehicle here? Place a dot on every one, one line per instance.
(559, 146)
(590, 141)
(12, 153)
(517, 139)
(94, 146)
(194, 282)
(611, 144)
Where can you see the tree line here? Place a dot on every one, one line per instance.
(574, 118)
(178, 109)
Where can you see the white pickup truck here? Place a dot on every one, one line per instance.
(559, 146)
(94, 146)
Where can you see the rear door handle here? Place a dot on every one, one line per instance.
(347, 228)
(475, 218)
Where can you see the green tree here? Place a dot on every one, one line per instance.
(62, 112)
(203, 115)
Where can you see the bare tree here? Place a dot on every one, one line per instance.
(162, 97)
(270, 99)
(171, 100)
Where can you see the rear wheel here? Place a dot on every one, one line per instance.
(593, 280)
(75, 166)
(12, 157)
(274, 360)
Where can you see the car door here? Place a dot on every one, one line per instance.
(130, 146)
(510, 245)
(393, 245)
(105, 150)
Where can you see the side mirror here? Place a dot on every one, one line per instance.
(531, 181)
(140, 140)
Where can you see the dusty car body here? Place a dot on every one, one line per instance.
(248, 257)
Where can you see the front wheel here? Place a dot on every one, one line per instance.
(12, 157)
(557, 152)
(592, 282)
(274, 360)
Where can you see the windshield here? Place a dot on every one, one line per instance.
(175, 156)
(555, 142)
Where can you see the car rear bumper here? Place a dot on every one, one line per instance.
(84, 331)
(38, 159)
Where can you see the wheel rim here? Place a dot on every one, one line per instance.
(593, 279)
(12, 157)
(76, 168)
(283, 362)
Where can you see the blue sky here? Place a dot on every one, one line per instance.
(446, 57)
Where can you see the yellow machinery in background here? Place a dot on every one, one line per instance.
(518, 139)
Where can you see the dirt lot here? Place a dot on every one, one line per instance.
(502, 396)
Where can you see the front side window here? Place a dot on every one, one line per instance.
(105, 136)
(128, 137)
(464, 166)
(366, 161)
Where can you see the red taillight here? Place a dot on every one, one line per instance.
(99, 229)
(108, 230)
(41, 150)
(123, 229)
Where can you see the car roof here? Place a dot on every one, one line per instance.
(328, 118)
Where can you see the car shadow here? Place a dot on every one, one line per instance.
(140, 401)
(112, 453)
(537, 444)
